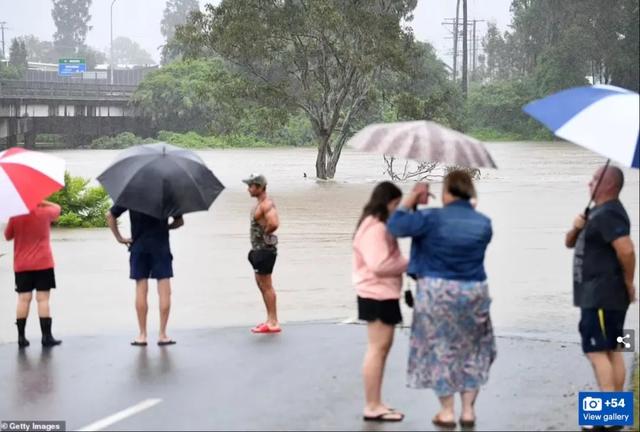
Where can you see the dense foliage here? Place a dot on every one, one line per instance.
(552, 45)
(83, 206)
(322, 58)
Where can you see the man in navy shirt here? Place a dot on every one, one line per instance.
(603, 272)
(150, 258)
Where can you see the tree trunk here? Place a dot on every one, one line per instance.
(331, 168)
(321, 159)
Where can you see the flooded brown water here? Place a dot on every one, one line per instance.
(532, 199)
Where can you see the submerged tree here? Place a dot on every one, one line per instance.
(322, 57)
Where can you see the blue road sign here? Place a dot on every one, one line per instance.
(70, 66)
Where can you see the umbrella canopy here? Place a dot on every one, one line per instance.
(603, 119)
(160, 180)
(424, 141)
(26, 178)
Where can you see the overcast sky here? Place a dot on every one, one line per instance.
(140, 21)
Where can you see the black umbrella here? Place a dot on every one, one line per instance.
(160, 180)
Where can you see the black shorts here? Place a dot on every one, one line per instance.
(39, 280)
(263, 260)
(600, 328)
(387, 311)
(145, 265)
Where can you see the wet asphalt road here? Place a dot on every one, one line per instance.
(307, 378)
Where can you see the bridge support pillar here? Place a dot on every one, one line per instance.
(30, 140)
(12, 140)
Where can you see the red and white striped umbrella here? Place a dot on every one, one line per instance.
(26, 178)
(423, 141)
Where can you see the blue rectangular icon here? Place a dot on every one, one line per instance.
(605, 408)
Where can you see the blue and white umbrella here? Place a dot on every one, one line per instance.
(602, 118)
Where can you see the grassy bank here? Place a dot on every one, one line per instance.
(191, 140)
(488, 134)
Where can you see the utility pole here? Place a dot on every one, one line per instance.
(455, 42)
(464, 48)
(111, 43)
(456, 35)
(473, 41)
(2, 24)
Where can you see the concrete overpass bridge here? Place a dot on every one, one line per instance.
(80, 111)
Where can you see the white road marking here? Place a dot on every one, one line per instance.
(119, 416)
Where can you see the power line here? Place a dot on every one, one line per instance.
(457, 33)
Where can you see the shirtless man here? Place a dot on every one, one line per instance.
(264, 222)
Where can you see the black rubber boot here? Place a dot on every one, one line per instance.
(22, 341)
(47, 337)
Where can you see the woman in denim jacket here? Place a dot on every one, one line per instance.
(452, 345)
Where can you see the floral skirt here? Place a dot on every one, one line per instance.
(452, 345)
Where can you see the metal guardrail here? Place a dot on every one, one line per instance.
(58, 91)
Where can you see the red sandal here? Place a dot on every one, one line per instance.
(264, 328)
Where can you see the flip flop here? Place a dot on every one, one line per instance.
(467, 424)
(443, 424)
(264, 328)
(165, 343)
(384, 417)
(138, 344)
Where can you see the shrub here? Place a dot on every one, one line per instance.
(83, 206)
(120, 141)
(193, 140)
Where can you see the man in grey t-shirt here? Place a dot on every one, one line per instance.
(603, 272)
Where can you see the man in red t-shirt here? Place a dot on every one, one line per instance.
(33, 265)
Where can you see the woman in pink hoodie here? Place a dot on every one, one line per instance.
(378, 266)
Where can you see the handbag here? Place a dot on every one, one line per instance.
(408, 294)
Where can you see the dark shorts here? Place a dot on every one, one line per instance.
(145, 265)
(263, 260)
(600, 328)
(387, 311)
(39, 280)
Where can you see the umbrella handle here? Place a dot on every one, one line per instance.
(593, 195)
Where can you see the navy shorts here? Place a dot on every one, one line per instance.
(600, 328)
(156, 265)
(39, 280)
(263, 260)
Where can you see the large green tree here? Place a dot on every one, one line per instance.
(39, 50)
(206, 97)
(127, 51)
(71, 18)
(560, 43)
(176, 13)
(322, 57)
(18, 54)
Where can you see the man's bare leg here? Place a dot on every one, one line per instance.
(617, 362)
(42, 297)
(603, 369)
(142, 307)
(164, 295)
(269, 297)
(24, 301)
